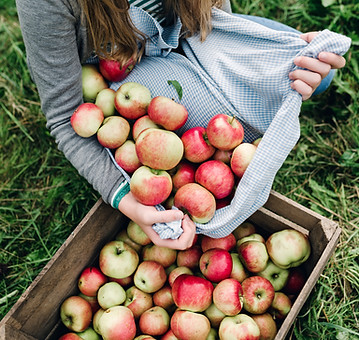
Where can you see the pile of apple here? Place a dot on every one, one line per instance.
(196, 172)
(237, 287)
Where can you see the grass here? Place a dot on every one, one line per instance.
(43, 198)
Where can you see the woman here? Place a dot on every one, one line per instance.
(62, 35)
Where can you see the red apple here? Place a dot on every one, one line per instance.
(197, 148)
(226, 242)
(253, 255)
(92, 82)
(92, 300)
(154, 321)
(114, 70)
(124, 282)
(169, 335)
(182, 174)
(70, 336)
(241, 157)
(267, 326)
(189, 257)
(258, 294)
(141, 124)
(138, 301)
(216, 264)
(228, 296)
(281, 306)
(164, 298)
(90, 280)
(150, 276)
(113, 132)
(136, 234)
(238, 327)
(296, 281)
(105, 100)
(167, 113)
(76, 313)
(223, 155)
(224, 132)
(126, 157)
(87, 119)
(196, 201)
(132, 100)
(163, 255)
(177, 272)
(150, 186)
(191, 292)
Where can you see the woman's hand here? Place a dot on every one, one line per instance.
(306, 81)
(145, 216)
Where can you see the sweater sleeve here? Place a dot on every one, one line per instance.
(51, 37)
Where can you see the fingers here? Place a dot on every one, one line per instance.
(167, 216)
(336, 61)
(308, 37)
(301, 87)
(313, 65)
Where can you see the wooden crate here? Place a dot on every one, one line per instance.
(36, 314)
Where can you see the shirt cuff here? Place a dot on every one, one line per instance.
(122, 190)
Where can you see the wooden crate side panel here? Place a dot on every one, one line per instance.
(9, 333)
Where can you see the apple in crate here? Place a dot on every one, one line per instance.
(238, 327)
(296, 281)
(114, 70)
(238, 271)
(111, 294)
(154, 321)
(288, 248)
(197, 148)
(164, 298)
(267, 325)
(182, 174)
(214, 315)
(253, 255)
(150, 186)
(138, 301)
(196, 201)
(172, 276)
(189, 257)
(276, 275)
(190, 325)
(76, 313)
(142, 123)
(159, 149)
(113, 132)
(70, 336)
(226, 242)
(252, 237)
(126, 157)
(223, 155)
(92, 82)
(228, 296)
(89, 334)
(118, 260)
(90, 280)
(224, 132)
(105, 100)
(169, 335)
(92, 300)
(244, 229)
(163, 255)
(132, 100)
(166, 112)
(258, 294)
(117, 322)
(87, 119)
(216, 264)
(281, 306)
(150, 276)
(136, 234)
(241, 157)
(191, 292)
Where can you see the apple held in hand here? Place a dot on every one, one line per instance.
(105, 100)
(238, 327)
(113, 132)
(118, 260)
(197, 201)
(90, 280)
(159, 149)
(138, 301)
(126, 157)
(225, 132)
(241, 157)
(114, 70)
(288, 248)
(150, 276)
(228, 296)
(92, 82)
(76, 313)
(132, 100)
(87, 119)
(150, 186)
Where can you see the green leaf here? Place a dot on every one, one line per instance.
(177, 86)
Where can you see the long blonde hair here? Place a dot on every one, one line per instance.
(113, 35)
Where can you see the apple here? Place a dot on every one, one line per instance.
(224, 132)
(189, 257)
(126, 157)
(117, 259)
(238, 327)
(169, 335)
(276, 275)
(159, 149)
(177, 272)
(124, 282)
(123, 236)
(76, 313)
(267, 326)
(113, 132)
(114, 70)
(214, 315)
(281, 306)
(191, 292)
(228, 296)
(238, 271)
(70, 336)
(92, 82)
(241, 157)
(213, 334)
(92, 300)
(89, 334)
(226, 242)
(166, 112)
(141, 124)
(164, 298)
(251, 237)
(257, 141)
(296, 281)
(189, 325)
(144, 337)
(244, 229)
(223, 155)
(105, 100)
(132, 100)
(95, 320)
(111, 294)
(288, 248)
(197, 148)
(154, 321)
(258, 294)
(163, 255)
(90, 280)
(217, 177)
(253, 255)
(150, 186)
(117, 322)
(87, 119)
(182, 174)
(216, 264)
(137, 301)
(150, 276)
(136, 234)
(196, 201)
(223, 202)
